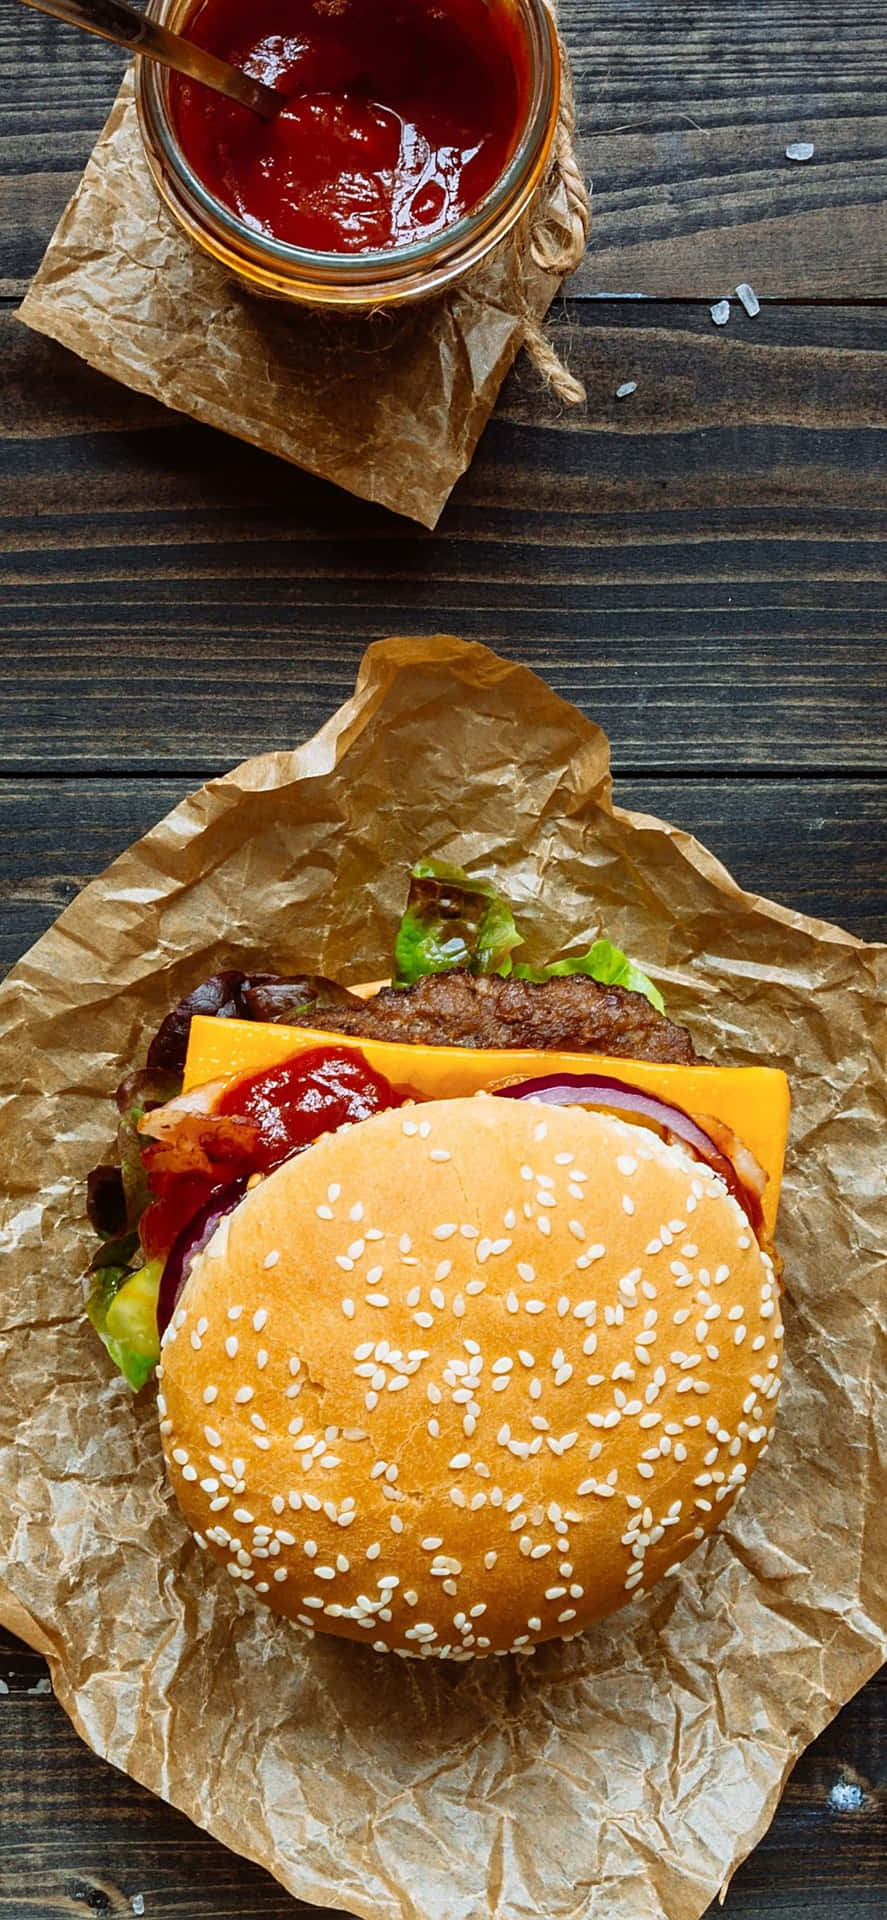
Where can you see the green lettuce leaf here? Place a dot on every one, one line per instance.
(606, 964)
(122, 1306)
(452, 920)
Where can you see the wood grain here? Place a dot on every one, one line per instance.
(684, 114)
(807, 843)
(714, 541)
(687, 213)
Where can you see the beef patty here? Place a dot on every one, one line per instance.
(570, 1012)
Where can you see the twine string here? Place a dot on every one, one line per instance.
(556, 245)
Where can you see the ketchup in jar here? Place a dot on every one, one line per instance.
(400, 116)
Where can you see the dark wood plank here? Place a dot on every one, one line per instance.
(714, 542)
(808, 843)
(690, 212)
(684, 115)
(78, 1838)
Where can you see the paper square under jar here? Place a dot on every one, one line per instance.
(390, 407)
(620, 1776)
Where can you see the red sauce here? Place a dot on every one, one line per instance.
(260, 1121)
(401, 116)
(290, 1105)
(170, 1210)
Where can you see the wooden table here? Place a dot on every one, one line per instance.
(698, 566)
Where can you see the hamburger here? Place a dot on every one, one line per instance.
(457, 1355)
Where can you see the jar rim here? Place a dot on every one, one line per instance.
(383, 265)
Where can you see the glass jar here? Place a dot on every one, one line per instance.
(364, 280)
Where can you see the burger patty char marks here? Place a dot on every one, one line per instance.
(570, 1012)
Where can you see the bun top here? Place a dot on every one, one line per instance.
(469, 1375)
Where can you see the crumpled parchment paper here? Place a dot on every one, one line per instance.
(390, 407)
(622, 1776)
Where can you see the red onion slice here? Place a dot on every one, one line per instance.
(598, 1090)
(191, 1241)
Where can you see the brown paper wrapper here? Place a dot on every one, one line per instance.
(624, 1774)
(390, 407)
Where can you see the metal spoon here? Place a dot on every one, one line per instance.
(117, 20)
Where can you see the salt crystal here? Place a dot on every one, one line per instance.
(720, 313)
(749, 299)
(800, 150)
(627, 387)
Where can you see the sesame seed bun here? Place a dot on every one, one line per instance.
(470, 1375)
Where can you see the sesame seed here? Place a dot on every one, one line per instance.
(445, 1231)
(231, 1345)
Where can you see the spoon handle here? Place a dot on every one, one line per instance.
(117, 20)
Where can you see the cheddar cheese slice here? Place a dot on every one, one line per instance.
(753, 1101)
